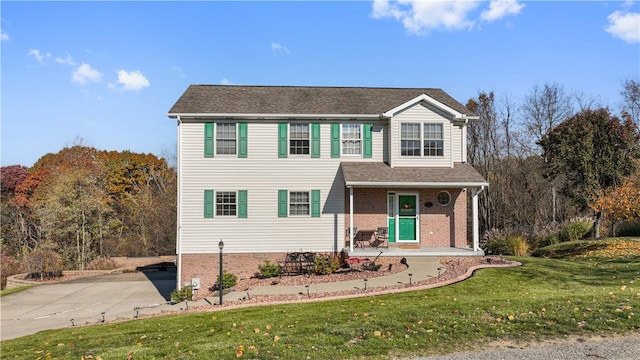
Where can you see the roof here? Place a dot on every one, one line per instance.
(301, 100)
(379, 174)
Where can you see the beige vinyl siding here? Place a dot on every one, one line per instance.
(262, 174)
(456, 143)
(422, 113)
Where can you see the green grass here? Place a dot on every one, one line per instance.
(13, 290)
(544, 298)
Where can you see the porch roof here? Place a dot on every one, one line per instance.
(379, 174)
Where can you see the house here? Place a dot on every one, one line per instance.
(271, 170)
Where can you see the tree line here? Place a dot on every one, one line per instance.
(554, 156)
(82, 203)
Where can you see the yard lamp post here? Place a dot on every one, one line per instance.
(220, 287)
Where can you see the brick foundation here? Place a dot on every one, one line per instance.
(206, 267)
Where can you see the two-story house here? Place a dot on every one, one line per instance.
(277, 169)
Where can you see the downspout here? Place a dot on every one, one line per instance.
(178, 210)
(476, 227)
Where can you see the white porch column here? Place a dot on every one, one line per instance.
(474, 211)
(350, 219)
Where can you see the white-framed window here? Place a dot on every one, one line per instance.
(351, 139)
(298, 139)
(444, 198)
(410, 139)
(433, 140)
(226, 139)
(299, 203)
(226, 203)
(422, 139)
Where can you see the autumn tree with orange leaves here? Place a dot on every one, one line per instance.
(83, 203)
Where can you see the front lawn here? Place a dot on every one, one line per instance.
(544, 298)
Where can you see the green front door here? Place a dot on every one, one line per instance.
(407, 218)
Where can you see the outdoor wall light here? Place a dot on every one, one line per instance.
(428, 204)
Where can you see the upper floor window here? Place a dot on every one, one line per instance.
(299, 139)
(433, 140)
(410, 139)
(225, 139)
(351, 139)
(431, 136)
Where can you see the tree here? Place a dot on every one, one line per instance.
(621, 203)
(590, 151)
(631, 95)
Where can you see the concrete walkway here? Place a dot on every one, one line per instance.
(127, 296)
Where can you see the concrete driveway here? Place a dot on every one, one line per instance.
(82, 301)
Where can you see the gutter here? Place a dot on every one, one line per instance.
(274, 116)
(441, 185)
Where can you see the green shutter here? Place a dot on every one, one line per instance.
(208, 203)
(282, 140)
(315, 203)
(283, 203)
(208, 140)
(368, 151)
(335, 140)
(242, 140)
(242, 203)
(315, 140)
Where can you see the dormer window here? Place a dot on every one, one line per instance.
(421, 139)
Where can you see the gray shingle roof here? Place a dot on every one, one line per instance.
(235, 99)
(378, 173)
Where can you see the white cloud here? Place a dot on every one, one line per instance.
(65, 61)
(625, 26)
(226, 81)
(4, 36)
(501, 8)
(85, 73)
(275, 47)
(38, 56)
(420, 16)
(132, 81)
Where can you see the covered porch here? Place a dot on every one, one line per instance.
(410, 211)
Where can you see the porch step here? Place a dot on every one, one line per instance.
(409, 246)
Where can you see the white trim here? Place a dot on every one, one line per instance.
(397, 217)
(273, 116)
(428, 99)
(438, 185)
(351, 218)
(178, 210)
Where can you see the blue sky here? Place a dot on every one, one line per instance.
(108, 72)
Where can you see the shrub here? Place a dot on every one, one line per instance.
(180, 295)
(517, 245)
(43, 264)
(575, 229)
(490, 236)
(269, 269)
(326, 264)
(102, 263)
(8, 266)
(509, 245)
(228, 281)
(629, 229)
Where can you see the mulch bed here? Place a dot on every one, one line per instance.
(455, 269)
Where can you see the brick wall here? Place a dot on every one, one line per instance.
(440, 225)
(206, 267)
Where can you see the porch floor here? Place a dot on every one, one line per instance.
(423, 251)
